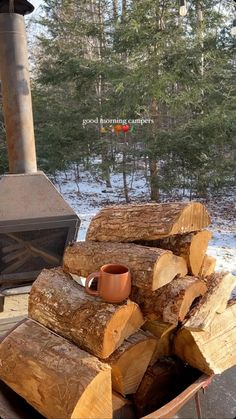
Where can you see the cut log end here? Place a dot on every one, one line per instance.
(167, 268)
(95, 401)
(197, 289)
(219, 288)
(56, 377)
(211, 351)
(164, 333)
(172, 302)
(208, 266)
(130, 362)
(190, 246)
(198, 249)
(124, 322)
(193, 217)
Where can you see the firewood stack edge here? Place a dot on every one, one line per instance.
(77, 356)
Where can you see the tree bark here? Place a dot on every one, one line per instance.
(130, 361)
(150, 268)
(135, 222)
(53, 375)
(59, 303)
(191, 246)
(211, 351)
(161, 383)
(125, 185)
(124, 7)
(155, 194)
(219, 289)
(114, 8)
(171, 303)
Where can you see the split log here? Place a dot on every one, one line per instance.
(208, 266)
(150, 268)
(122, 408)
(164, 332)
(53, 375)
(191, 246)
(130, 361)
(162, 382)
(172, 302)
(129, 223)
(211, 351)
(59, 303)
(215, 300)
(12, 406)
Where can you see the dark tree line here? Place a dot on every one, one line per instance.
(137, 60)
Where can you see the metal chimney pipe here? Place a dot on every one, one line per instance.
(17, 102)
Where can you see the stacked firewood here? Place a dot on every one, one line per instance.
(78, 356)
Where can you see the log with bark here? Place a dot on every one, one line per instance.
(172, 302)
(129, 223)
(215, 300)
(211, 351)
(191, 246)
(130, 361)
(59, 303)
(150, 268)
(122, 408)
(53, 375)
(208, 266)
(164, 332)
(162, 382)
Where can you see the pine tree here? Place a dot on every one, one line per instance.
(137, 59)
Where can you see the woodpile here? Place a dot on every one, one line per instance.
(59, 303)
(84, 357)
(151, 268)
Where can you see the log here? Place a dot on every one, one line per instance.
(13, 406)
(150, 268)
(164, 332)
(122, 408)
(162, 382)
(190, 246)
(59, 303)
(211, 351)
(208, 266)
(53, 375)
(129, 223)
(170, 303)
(130, 361)
(219, 289)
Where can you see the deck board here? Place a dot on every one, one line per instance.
(8, 323)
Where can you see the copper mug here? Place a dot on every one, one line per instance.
(113, 283)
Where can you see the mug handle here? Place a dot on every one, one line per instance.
(94, 275)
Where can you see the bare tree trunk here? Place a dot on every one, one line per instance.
(124, 7)
(115, 11)
(126, 190)
(77, 176)
(155, 194)
(101, 46)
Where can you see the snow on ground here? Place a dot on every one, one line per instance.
(93, 195)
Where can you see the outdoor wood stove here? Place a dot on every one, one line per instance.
(35, 221)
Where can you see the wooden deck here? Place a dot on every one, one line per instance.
(15, 309)
(9, 323)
